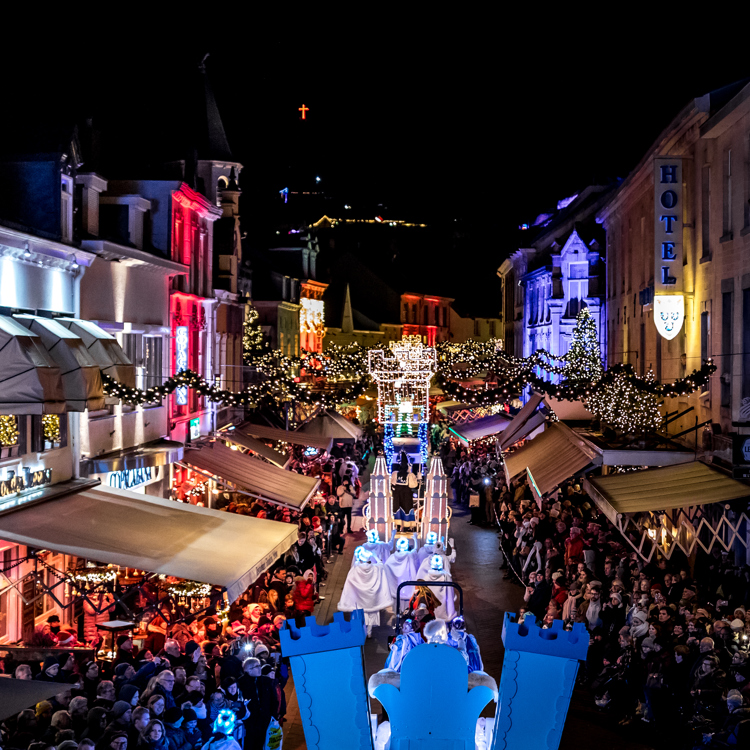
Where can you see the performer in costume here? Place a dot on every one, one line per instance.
(438, 549)
(403, 495)
(381, 550)
(401, 646)
(366, 588)
(465, 643)
(402, 566)
(436, 572)
(435, 546)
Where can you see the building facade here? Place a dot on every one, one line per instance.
(426, 316)
(709, 140)
(547, 283)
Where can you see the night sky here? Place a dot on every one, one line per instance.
(457, 129)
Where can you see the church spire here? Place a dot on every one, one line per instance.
(211, 141)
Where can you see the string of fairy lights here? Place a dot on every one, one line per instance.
(339, 375)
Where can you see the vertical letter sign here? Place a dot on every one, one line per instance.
(669, 302)
(181, 361)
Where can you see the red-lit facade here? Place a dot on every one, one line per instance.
(427, 316)
(191, 305)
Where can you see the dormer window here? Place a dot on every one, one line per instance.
(66, 208)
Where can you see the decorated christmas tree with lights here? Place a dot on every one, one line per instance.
(253, 341)
(621, 404)
(583, 362)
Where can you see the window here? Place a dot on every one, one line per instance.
(437, 316)
(66, 208)
(705, 344)
(406, 313)
(728, 192)
(5, 598)
(445, 317)
(425, 311)
(414, 313)
(152, 360)
(706, 212)
(48, 431)
(725, 369)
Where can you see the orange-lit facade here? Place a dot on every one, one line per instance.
(427, 316)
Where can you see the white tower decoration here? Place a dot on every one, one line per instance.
(436, 513)
(403, 390)
(378, 511)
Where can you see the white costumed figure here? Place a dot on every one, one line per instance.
(438, 549)
(402, 566)
(366, 588)
(381, 550)
(435, 546)
(446, 594)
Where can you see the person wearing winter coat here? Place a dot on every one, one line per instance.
(176, 736)
(304, 595)
(153, 737)
(50, 668)
(190, 728)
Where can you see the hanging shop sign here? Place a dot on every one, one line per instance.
(181, 361)
(195, 428)
(669, 301)
(24, 480)
(129, 478)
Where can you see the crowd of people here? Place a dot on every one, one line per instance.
(169, 694)
(668, 640)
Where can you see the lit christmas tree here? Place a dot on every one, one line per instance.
(583, 362)
(253, 342)
(622, 405)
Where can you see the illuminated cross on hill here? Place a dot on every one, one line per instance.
(304, 110)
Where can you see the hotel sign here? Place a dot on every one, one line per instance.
(669, 302)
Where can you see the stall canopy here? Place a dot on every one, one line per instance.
(274, 433)
(480, 428)
(250, 475)
(30, 381)
(551, 457)
(665, 488)
(81, 377)
(17, 695)
(256, 446)
(329, 424)
(104, 349)
(150, 533)
(532, 415)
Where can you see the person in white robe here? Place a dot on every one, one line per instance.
(402, 644)
(402, 566)
(366, 588)
(435, 546)
(381, 550)
(446, 594)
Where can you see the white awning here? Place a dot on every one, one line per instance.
(251, 475)
(256, 446)
(81, 377)
(149, 533)
(296, 438)
(666, 488)
(525, 422)
(104, 349)
(329, 424)
(480, 428)
(30, 381)
(551, 458)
